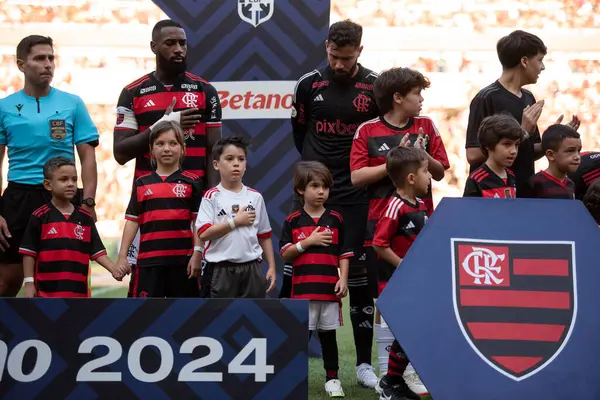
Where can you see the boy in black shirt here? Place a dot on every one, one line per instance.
(522, 57)
(499, 136)
(562, 145)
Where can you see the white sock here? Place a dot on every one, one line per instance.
(384, 340)
(409, 368)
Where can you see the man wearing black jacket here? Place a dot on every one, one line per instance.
(329, 105)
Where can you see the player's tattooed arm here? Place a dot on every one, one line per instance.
(128, 141)
(213, 135)
(129, 144)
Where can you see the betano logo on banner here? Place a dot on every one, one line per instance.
(256, 99)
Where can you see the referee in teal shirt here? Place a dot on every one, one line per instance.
(36, 124)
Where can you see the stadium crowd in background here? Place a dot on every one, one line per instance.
(569, 81)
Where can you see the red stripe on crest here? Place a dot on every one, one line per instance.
(541, 267)
(514, 331)
(517, 364)
(515, 298)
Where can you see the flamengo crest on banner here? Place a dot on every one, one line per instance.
(255, 12)
(515, 301)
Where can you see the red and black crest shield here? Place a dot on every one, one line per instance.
(515, 301)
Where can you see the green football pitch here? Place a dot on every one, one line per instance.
(316, 373)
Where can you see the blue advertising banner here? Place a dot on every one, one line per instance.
(497, 299)
(253, 52)
(80, 349)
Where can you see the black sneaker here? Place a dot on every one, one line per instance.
(395, 389)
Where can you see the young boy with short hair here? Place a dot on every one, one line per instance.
(398, 93)
(313, 240)
(61, 239)
(499, 138)
(403, 218)
(233, 223)
(562, 146)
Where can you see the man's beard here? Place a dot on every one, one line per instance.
(345, 76)
(170, 67)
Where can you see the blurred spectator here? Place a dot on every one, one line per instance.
(470, 14)
(86, 12)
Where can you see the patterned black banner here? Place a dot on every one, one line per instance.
(257, 40)
(81, 349)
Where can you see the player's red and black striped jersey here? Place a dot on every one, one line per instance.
(483, 182)
(587, 173)
(63, 247)
(399, 225)
(373, 140)
(544, 186)
(315, 272)
(164, 208)
(325, 115)
(144, 101)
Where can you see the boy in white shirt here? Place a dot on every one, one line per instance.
(233, 223)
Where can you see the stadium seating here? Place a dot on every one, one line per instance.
(569, 85)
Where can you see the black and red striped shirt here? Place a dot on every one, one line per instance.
(144, 101)
(373, 140)
(398, 227)
(483, 182)
(63, 247)
(544, 186)
(165, 208)
(587, 173)
(315, 272)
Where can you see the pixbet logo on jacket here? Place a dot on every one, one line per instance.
(335, 127)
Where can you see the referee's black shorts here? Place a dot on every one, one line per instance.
(19, 201)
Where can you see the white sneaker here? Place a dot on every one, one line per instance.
(365, 376)
(414, 383)
(378, 388)
(333, 388)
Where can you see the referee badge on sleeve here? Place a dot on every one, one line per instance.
(58, 129)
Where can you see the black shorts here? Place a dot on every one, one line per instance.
(355, 225)
(237, 281)
(207, 273)
(165, 281)
(382, 269)
(19, 201)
